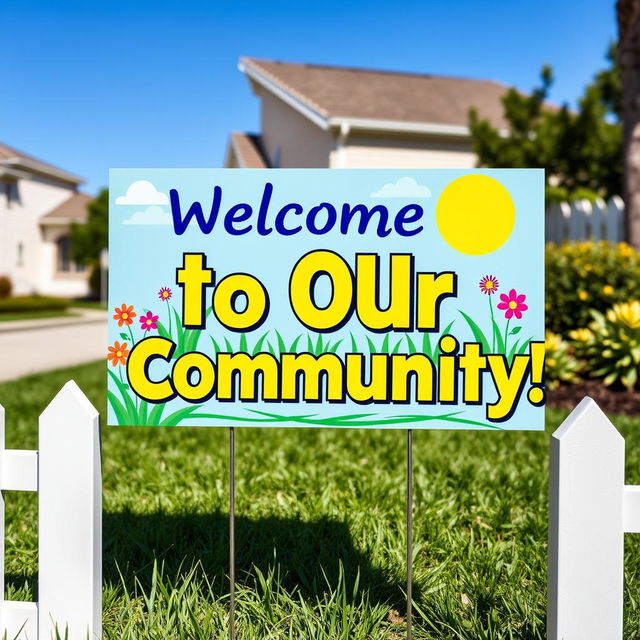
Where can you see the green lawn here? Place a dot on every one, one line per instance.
(88, 304)
(320, 529)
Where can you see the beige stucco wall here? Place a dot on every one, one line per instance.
(20, 223)
(366, 152)
(301, 142)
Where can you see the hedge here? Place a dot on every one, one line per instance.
(22, 304)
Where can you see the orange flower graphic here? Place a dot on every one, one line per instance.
(118, 353)
(124, 315)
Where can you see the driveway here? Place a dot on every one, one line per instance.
(32, 346)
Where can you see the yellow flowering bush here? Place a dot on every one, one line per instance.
(588, 275)
(610, 345)
(560, 364)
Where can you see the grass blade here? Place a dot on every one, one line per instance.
(477, 332)
(260, 341)
(410, 344)
(281, 345)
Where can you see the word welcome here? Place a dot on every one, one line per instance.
(291, 218)
(303, 377)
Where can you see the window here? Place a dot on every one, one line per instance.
(64, 262)
(64, 254)
(20, 255)
(10, 190)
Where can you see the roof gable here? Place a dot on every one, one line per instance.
(339, 93)
(73, 209)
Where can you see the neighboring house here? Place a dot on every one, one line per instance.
(38, 203)
(320, 116)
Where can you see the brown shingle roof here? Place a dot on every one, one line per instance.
(73, 209)
(13, 157)
(248, 148)
(337, 92)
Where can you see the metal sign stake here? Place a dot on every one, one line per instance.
(232, 533)
(409, 529)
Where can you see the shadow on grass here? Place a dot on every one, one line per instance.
(307, 554)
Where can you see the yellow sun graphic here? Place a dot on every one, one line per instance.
(475, 214)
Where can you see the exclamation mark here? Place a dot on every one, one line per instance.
(536, 393)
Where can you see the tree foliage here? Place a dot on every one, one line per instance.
(89, 239)
(580, 149)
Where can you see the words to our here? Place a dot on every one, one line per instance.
(414, 298)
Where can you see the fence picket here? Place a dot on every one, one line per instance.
(586, 527)
(70, 516)
(584, 220)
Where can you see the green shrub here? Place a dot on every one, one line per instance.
(95, 280)
(32, 303)
(611, 344)
(560, 364)
(5, 287)
(581, 276)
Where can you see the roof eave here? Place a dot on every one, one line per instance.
(238, 155)
(15, 174)
(40, 168)
(287, 97)
(400, 126)
(60, 221)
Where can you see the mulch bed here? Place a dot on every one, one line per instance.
(610, 401)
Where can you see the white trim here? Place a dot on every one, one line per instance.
(340, 154)
(400, 126)
(434, 128)
(300, 106)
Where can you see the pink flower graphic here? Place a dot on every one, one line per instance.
(148, 321)
(489, 285)
(512, 304)
(164, 294)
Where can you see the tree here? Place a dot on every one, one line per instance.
(629, 31)
(89, 239)
(580, 150)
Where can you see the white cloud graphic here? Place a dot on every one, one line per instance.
(404, 188)
(142, 192)
(153, 215)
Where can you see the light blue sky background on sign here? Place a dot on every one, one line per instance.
(145, 258)
(88, 86)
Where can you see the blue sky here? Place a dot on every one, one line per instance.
(88, 86)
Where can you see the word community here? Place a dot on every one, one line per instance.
(392, 379)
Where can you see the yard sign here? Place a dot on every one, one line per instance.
(342, 298)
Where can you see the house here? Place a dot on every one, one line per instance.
(38, 204)
(322, 116)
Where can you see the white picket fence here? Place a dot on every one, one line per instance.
(590, 509)
(66, 473)
(585, 220)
